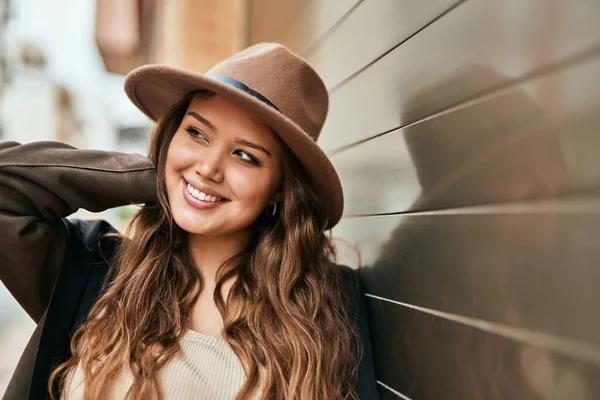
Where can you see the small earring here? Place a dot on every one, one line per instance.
(271, 213)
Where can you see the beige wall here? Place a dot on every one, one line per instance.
(191, 34)
(196, 34)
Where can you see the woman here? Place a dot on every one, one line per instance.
(224, 285)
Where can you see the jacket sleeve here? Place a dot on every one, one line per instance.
(40, 184)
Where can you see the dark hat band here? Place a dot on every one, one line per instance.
(239, 85)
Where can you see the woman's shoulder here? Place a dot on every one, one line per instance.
(350, 276)
(366, 384)
(352, 286)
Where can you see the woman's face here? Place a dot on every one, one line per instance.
(223, 168)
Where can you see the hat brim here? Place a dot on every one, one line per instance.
(154, 89)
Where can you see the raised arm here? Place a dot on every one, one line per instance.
(43, 182)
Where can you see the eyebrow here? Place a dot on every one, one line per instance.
(202, 120)
(253, 145)
(237, 140)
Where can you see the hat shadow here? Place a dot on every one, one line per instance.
(487, 152)
(498, 149)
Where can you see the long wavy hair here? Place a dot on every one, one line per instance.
(285, 316)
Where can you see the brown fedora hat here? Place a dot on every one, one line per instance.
(268, 80)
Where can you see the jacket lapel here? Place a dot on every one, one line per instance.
(61, 315)
(76, 290)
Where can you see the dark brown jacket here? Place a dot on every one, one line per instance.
(52, 265)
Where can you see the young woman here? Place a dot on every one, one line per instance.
(225, 284)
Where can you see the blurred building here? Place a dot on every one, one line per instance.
(192, 34)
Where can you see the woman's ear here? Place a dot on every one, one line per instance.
(276, 197)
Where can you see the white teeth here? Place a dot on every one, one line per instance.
(201, 195)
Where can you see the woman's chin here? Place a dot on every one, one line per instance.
(208, 225)
(194, 225)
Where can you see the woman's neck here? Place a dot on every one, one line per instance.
(209, 252)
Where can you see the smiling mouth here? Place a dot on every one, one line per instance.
(202, 196)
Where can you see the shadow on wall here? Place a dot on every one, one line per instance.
(507, 267)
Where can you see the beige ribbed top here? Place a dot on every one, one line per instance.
(206, 368)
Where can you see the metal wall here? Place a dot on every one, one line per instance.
(465, 133)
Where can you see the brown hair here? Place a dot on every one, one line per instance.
(285, 316)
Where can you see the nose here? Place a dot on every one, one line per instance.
(209, 165)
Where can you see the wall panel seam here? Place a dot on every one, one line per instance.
(421, 29)
(577, 349)
(572, 205)
(491, 92)
(314, 45)
(397, 393)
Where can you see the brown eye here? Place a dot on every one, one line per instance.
(195, 132)
(248, 158)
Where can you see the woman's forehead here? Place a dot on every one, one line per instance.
(222, 113)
